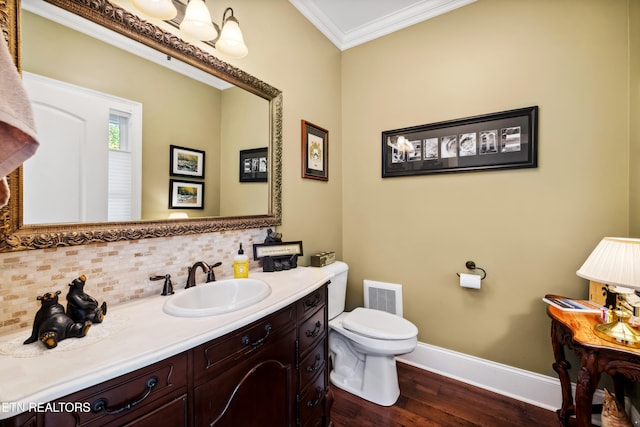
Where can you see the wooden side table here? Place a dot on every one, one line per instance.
(575, 331)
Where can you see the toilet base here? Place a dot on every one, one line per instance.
(371, 377)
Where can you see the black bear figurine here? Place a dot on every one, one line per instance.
(51, 325)
(81, 306)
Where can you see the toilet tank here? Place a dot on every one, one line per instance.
(337, 287)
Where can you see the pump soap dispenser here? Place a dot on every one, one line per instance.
(240, 265)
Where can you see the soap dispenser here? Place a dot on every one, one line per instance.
(240, 265)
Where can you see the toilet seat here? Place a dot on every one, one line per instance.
(379, 324)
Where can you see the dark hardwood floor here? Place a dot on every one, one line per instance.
(427, 399)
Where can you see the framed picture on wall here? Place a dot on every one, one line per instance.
(315, 152)
(504, 140)
(186, 161)
(186, 194)
(254, 165)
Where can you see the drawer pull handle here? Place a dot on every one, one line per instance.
(247, 341)
(316, 331)
(100, 405)
(316, 366)
(319, 395)
(313, 303)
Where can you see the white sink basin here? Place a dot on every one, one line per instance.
(219, 297)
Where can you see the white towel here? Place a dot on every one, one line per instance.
(18, 140)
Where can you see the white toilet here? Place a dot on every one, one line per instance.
(363, 344)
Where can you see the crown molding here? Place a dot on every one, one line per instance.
(387, 24)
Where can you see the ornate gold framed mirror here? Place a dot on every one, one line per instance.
(15, 235)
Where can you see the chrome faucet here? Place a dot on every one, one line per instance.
(211, 277)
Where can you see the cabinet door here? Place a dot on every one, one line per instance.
(255, 392)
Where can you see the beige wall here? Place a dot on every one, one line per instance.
(530, 229)
(634, 111)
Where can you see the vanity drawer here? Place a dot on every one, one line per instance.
(312, 330)
(124, 398)
(312, 401)
(218, 353)
(311, 302)
(313, 363)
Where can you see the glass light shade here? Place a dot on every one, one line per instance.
(615, 261)
(160, 9)
(197, 21)
(231, 42)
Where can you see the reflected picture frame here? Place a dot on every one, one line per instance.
(254, 165)
(186, 161)
(186, 194)
(503, 140)
(315, 152)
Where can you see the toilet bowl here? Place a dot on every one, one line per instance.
(363, 344)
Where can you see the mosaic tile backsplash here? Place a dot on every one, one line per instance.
(116, 272)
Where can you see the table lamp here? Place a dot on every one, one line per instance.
(615, 261)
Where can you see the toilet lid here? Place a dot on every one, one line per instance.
(379, 324)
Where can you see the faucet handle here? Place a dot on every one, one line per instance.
(167, 288)
(211, 276)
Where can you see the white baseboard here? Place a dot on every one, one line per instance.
(535, 389)
(529, 387)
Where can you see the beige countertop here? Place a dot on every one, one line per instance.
(132, 336)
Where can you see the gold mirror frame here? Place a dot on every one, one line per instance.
(16, 236)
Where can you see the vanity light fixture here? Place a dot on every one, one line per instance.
(161, 9)
(197, 23)
(616, 263)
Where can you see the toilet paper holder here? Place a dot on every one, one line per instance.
(472, 266)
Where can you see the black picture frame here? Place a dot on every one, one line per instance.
(186, 194)
(504, 140)
(186, 162)
(254, 165)
(315, 151)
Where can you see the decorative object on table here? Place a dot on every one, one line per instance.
(52, 325)
(616, 262)
(186, 194)
(323, 259)
(254, 165)
(82, 306)
(315, 152)
(505, 140)
(569, 304)
(277, 256)
(613, 414)
(186, 161)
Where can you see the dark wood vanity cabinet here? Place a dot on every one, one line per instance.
(151, 396)
(272, 372)
(246, 378)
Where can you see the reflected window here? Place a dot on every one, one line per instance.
(120, 187)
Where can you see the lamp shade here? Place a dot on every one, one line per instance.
(161, 9)
(615, 261)
(197, 21)
(231, 42)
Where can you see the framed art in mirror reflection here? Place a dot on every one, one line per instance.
(186, 161)
(186, 194)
